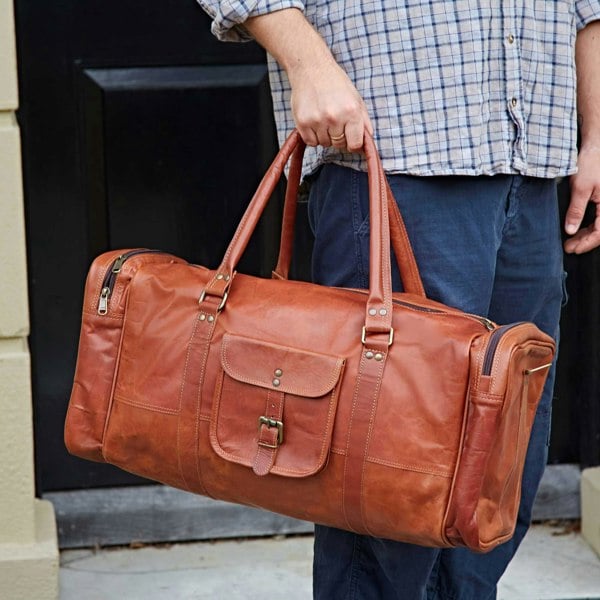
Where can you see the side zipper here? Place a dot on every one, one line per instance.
(490, 353)
(110, 278)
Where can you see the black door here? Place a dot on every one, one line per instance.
(139, 129)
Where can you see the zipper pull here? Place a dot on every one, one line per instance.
(119, 263)
(489, 325)
(103, 302)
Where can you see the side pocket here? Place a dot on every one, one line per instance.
(483, 414)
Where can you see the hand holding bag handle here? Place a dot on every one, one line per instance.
(409, 272)
(378, 312)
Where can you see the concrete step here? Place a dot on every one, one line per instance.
(553, 563)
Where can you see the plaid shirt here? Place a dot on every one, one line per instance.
(453, 87)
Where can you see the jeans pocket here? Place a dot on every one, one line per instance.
(359, 199)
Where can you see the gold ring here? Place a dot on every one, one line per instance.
(337, 138)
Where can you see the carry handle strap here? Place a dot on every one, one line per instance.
(409, 273)
(378, 311)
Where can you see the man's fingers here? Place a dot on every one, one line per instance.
(585, 240)
(355, 131)
(308, 136)
(580, 196)
(367, 120)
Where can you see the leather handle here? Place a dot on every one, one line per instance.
(378, 317)
(409, 272)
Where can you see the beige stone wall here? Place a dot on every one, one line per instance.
(590, 507)
(28, 548)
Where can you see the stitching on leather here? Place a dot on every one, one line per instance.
(332, 402)
(334, 377)
(276, 171)
(487, 398)
(479, 366)
(275, 469)
(374, 399)
(339, 451)
(386, 280)
(211, 328)
(407, 467)
(495, 362)
(151, 407)
(187, 359)
(354, 399)
(98, 284)
(107, 316)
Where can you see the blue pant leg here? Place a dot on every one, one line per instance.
(528, 286)
(456, 227)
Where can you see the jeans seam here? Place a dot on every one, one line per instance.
(512, 209)
(355, 569)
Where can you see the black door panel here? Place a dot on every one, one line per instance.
(138, 129)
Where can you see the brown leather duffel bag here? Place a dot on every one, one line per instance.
(382, 413)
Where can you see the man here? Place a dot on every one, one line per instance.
(473, 108)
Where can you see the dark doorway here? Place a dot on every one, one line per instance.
(139, 129)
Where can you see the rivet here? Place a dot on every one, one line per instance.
(220, 276)
(379, 356)
(276, 382)
(203, 317)
(210, 318)
(383, 312)
(227, 278)
(278, 372)
(372, 312)
(369, 354)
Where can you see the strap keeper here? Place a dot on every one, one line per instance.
(363, 337)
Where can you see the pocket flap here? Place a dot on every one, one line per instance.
(287, 370)
(274, 407)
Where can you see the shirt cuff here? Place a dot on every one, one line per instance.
(229, 15)
(586, 11)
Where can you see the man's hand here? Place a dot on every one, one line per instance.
(585, 188)
(327, 108)
(585, 185)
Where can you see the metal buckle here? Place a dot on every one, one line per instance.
(271, 423)
(221, 304)
(363, 337)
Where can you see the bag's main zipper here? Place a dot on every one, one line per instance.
(110, 278)
(489, 325)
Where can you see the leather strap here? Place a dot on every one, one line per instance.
(364, 405)
(191, 400)
(268, 436)
(378, 313)
(409, 273)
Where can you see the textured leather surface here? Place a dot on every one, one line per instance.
(263, 393)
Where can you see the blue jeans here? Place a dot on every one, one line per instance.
(490, 246)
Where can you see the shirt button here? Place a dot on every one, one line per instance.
(511, 38)
(514, 102)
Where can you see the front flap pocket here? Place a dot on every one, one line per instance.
(274, 406)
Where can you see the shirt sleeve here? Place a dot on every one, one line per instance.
(586, 11)
(229, 15)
